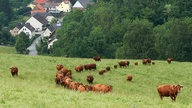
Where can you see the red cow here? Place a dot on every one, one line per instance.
(115, 66)
(79, 68)
(169, 60)
(129, 77)
(102, 88)
(145, 61)
(136, 63)
(123, 63)
(101, 72)
(107, 68)
(14, 71)
(97, 58)
(59, 67)
(90, 79)
(169, 90)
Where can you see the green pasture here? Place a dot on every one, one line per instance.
(35, 86)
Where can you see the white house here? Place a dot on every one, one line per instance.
(38, 22)
(64, 6)
(49, 31)
(28, 30)
(82, 4)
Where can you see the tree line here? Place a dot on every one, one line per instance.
(131, 29)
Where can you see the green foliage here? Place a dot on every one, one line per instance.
(173, 39)
(6, 38)
(139, 40)
(22, 43)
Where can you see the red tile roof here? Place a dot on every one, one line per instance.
(40, 1)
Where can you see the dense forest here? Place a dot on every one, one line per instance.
(129, 29)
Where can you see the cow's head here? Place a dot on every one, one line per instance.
(178, 87)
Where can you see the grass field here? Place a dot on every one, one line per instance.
(35, 86)
(7, 50)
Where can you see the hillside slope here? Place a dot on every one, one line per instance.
(35, 86)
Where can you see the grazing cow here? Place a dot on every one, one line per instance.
(90, 66)
(136, 63)
(97, 58)
(14, 71)
(102, 88)
(79, 68)
(169, 60)
(115, 66)
(90, 79)
(149, 61)
(123, 63)
(129, 77)
(153, 63)
(59, 67)
(144, 61)
(107, 68)
(101, 72)
(169, 90)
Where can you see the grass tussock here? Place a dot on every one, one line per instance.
(35, 86)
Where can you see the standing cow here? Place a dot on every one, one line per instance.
(14, 71)
(169, 90)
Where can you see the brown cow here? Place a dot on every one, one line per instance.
(102, 88)
(101, 72)
(79, 68)
(81, 88)
(107, 68)
(123, 63)
(129, 77)
(14, 71)
(169, 90)
(136, 63)
(169, 60)
(59, 67)
(115, 66)
(90, 79)
(97, 58)
(90, 66)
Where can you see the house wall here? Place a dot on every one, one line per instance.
(64, 7)
(14, 32)
(47, 33)
(35, 23)
(26, 31)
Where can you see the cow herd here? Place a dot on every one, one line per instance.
(64, 78)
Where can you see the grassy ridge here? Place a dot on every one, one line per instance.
(35, 86)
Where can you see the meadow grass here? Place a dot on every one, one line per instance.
(35, 86)
(7, 50)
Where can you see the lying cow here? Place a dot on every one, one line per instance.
(169, 90)
(102, 88)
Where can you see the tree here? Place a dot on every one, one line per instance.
(6, 38)
(22, 43)
(139, 40)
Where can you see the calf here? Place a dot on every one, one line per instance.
(169, 90)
